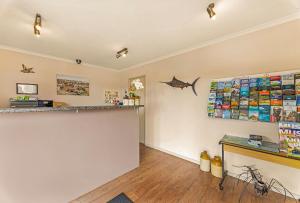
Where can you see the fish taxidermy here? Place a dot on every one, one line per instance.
(26, 70)
(180, 84)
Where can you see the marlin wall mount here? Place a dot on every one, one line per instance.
(180, 84)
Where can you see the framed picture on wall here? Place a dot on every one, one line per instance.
(25, 88)
(70, 85)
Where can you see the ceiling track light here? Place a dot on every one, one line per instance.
(211, 12)
(37, 26)
(122, 53)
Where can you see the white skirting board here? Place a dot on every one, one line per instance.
(174, 154)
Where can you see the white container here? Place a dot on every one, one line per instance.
(216, 167)
(125, 102)
(137, 102)
(204, 162)
(131, 102)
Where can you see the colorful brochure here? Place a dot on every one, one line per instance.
(289, 138)
(253, 113)
(276, 113)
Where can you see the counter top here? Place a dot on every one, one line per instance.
(70, 108)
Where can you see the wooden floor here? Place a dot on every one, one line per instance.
(165, 178)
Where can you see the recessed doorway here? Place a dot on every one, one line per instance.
(139, 84)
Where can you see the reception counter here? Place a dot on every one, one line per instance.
(54, 155)
(69, 108)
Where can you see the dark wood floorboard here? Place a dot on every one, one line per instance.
(165, 178)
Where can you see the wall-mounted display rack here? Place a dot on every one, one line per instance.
(270, 97)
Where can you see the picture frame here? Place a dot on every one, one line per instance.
(27, 89)
(72, 85)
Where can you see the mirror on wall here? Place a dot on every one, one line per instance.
(24, 88)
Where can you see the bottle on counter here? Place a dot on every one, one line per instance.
(126, 99)
(131, 101)
(131, 98)
(137, 100)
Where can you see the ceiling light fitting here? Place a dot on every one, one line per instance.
(37, 26)
(78, 61)
(122, 53)
(211, 12)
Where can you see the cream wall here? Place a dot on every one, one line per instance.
(45, 76)
(177, 121)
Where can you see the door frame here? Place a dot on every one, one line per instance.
(145, 86)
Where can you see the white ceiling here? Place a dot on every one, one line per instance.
(94, 30)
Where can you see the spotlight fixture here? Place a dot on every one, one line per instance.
(122, 53)
(37, 26)
(78, 61)
(211, 12)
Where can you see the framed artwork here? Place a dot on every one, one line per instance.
(69, 85)
(110, 96)
(27, 89)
